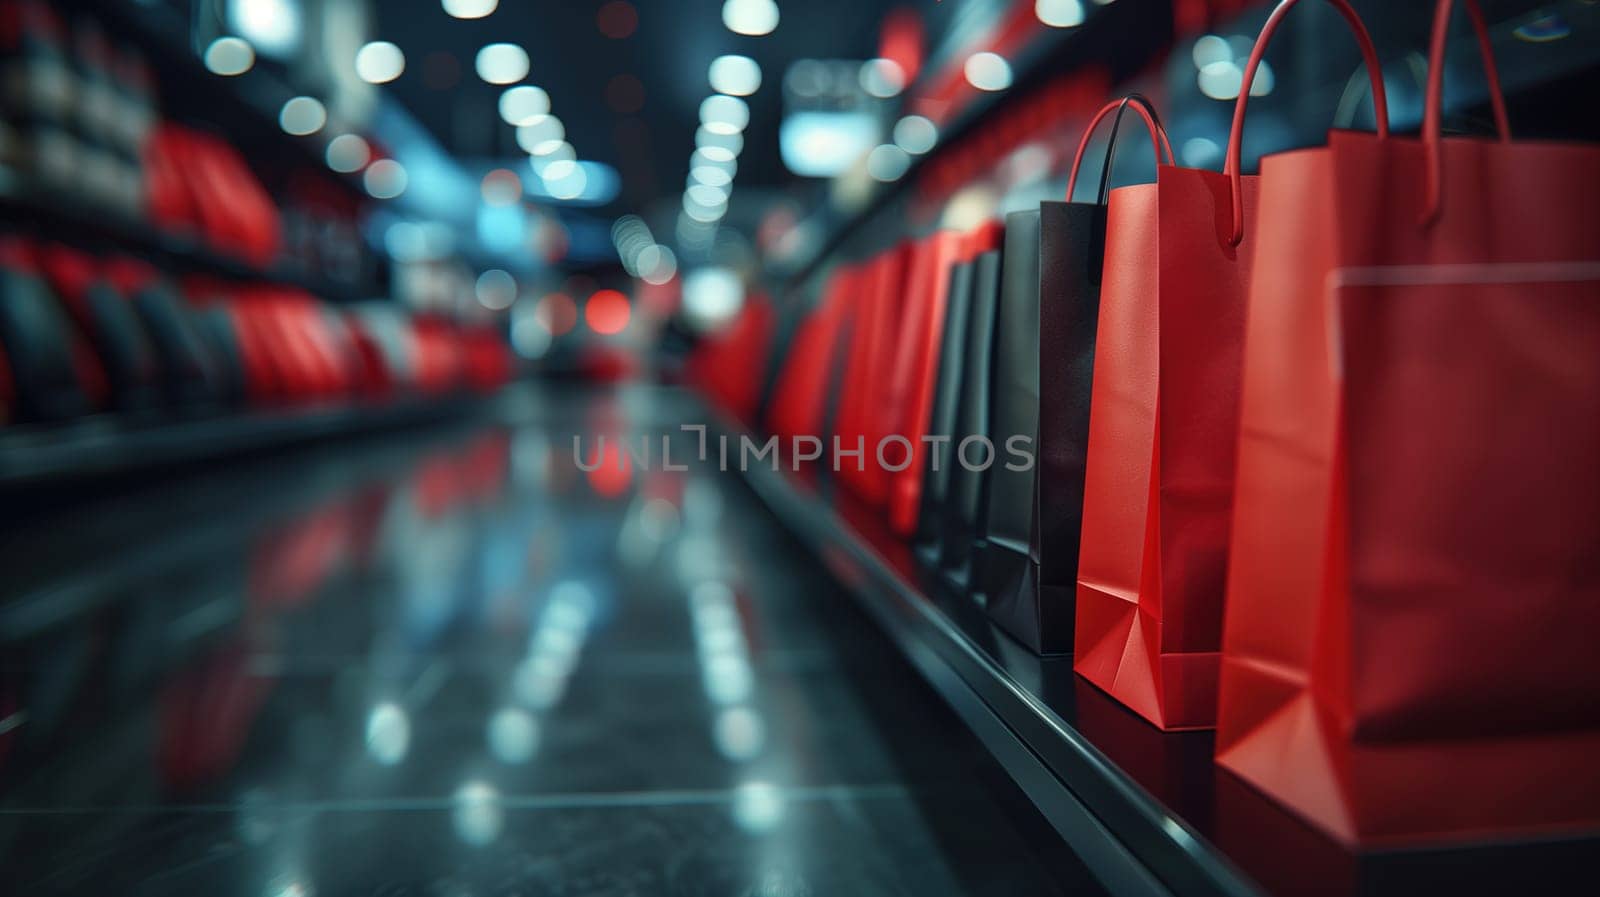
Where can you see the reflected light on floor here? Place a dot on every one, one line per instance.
(513, 736)
(388, 734)
(757, 807)
(739, 733)
(477, 816)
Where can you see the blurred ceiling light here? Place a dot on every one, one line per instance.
(607, 312)
(750, 17)
(558, 169)
(273, 26)
(988, 71)
(230, 56)
(717, 154)
(711, 296)
(385, 179)
(887, 162)
(737, 76)
(882, 78)
(539, 130)
(916, 134)
(711, 176)
(1059, 13)
(560, 152)
(657, 264)
(717, 145)
(470, 9)
(707, 196)
(1220, 80)
(566, 179)
(523, 105)
(1201, 152)
(1209, 49)
(348, 153)
(302, 116)
(496, 289)
(706, 158)
(722, 114)
(825, 144)
(701, 213)
(630, 235)
(502, 63)
(501, 187)
(380, 62)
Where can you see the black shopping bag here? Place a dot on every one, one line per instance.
(972, 454)
(942, 421)
(1044, 370)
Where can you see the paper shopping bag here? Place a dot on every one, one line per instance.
(1409, 643)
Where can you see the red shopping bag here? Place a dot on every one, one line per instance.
(1409, 648)
(916, 369)
(1163, 430)
(799, 399)
(861, 421)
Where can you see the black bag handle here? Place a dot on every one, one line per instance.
(1158, 139)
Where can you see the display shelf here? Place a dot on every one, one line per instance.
(38, 454)
(1148, 811)
(69, 219)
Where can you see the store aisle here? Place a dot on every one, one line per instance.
(453, 662)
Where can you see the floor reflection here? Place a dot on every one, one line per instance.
(459, 662)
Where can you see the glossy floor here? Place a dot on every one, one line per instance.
(453, 662)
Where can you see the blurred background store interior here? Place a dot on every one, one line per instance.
(304, 589)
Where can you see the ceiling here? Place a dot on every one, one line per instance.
(595, 81)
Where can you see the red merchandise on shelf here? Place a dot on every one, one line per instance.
(865, 418)
(729, 366)
(1164, 428)
(916, 368)
(1408, 652)
(800, 396)
(438, 354)
(198, 184)
(486, 358)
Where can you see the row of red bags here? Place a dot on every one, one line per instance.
(80, 334)
(200, 187)
(1341, 499)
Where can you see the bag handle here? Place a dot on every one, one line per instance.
(1433, 110)
(1158, 139)
(1380, 102)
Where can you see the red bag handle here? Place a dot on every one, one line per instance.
(1433, 111)
(1158, 138)
(1380, 101)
